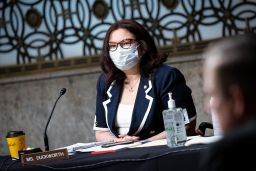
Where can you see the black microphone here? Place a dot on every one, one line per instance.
(46, 143)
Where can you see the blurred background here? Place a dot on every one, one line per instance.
(46, 45)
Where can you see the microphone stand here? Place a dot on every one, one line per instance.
(46, 143)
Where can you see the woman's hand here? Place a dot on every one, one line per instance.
(104, 136)
(108, 136)
(125, 137)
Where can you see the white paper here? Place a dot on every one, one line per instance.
(202, 140)
(82, 146)
(152, 143)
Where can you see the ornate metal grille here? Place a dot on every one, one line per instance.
(46, 30)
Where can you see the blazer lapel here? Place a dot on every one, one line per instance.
(110, 106)
(142, 106)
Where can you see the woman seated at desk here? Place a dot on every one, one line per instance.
(133, 89)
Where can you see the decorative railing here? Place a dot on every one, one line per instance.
(44, 34)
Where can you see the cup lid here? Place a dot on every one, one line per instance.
(14, 134)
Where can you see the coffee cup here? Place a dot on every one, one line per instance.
(16, 141)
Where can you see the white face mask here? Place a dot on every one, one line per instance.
(125, 59)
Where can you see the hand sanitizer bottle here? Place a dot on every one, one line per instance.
(174, 124)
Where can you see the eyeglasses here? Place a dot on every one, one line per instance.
(125, 44)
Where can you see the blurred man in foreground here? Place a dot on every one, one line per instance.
(229, 77)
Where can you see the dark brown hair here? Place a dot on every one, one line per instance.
(149, 60)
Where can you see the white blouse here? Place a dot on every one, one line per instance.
(124, 117)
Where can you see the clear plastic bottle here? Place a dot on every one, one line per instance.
(174, 124)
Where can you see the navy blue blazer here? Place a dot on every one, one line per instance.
(151, 100)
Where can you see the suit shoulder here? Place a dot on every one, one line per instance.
(102, 78)
(102, 81)
(166, 70)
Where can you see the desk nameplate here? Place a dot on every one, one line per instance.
(44, 157)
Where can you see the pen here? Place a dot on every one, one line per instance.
(103, 152)
(91, 145)
(116, 143)
(128, 146)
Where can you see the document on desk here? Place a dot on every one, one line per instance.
(79, 146)
(114, 147)
(107, 146)
(202, 140)
(100, 148)
(152, 143)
